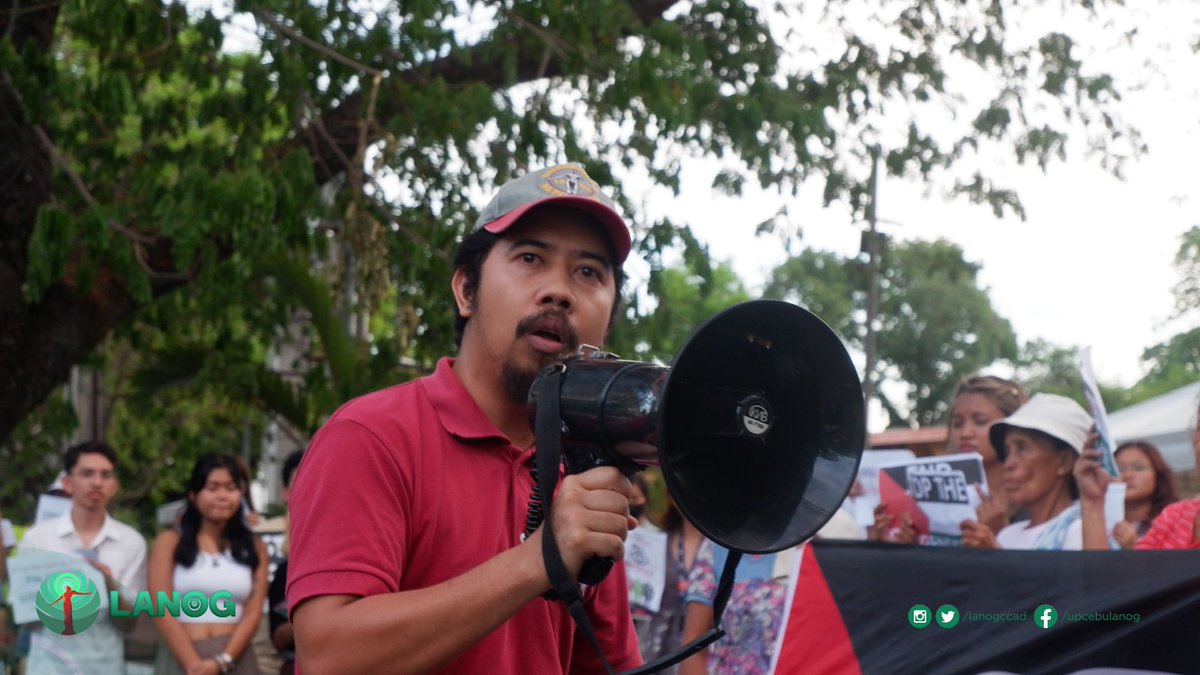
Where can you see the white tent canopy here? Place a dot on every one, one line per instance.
(1166, 421)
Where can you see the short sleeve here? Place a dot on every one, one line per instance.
(32, 539)
(349, 516)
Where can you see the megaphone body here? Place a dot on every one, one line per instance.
(758, 425)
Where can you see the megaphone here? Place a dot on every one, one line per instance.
(758, 425)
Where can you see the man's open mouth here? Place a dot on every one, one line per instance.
(550, 334)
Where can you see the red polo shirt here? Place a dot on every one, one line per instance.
(412, 486)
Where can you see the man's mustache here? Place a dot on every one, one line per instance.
(566, 333)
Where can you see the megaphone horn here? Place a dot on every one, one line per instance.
(758, 426)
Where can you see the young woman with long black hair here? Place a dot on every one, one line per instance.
(212, 550)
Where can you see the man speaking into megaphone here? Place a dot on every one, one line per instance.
(408, 546)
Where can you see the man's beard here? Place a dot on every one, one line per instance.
(518, 378)
(517, 381)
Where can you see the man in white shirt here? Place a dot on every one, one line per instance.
(115, 549)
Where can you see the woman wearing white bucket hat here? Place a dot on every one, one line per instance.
(1038, 445)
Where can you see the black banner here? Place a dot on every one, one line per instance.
(858, 608)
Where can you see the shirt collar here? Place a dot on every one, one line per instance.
(459, 414)
(65, 527)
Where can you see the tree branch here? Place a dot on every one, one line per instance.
(316, 46)
(471, 64)
(60, 160)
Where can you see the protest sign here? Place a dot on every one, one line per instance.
(867, 499)
(646, 566)
(51, 506)
(8, 538)
(936, 493)
(29, 568)
(1096, 406)
(1114, 505)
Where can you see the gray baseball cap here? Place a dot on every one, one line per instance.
(566, 184)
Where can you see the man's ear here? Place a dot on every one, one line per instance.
(463, 299)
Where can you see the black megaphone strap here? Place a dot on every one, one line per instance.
(548, 432)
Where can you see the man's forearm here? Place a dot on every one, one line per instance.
(420, 630)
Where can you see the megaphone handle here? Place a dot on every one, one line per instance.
(548, 428)
(594, 570)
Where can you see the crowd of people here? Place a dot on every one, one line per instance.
(1045, 490)
(412, 542)
(210, 548)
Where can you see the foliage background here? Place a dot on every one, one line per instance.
(229, 219)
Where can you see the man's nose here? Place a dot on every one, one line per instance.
(557, 290)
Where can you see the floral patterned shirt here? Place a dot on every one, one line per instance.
(753, 615)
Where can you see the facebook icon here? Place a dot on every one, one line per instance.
(1045, 616)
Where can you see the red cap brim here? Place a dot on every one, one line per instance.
(618, 231)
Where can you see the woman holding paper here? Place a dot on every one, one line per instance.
(1149, 489)
(1038, 445)
(980, 401)
(1176, 527)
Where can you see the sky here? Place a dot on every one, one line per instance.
(1091, 265)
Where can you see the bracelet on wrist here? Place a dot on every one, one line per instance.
(225, 662)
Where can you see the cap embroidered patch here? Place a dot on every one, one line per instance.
(568, 180)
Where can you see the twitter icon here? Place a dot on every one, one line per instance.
(947, 616)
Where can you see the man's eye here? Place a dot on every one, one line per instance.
(529, 257)
(589, 271)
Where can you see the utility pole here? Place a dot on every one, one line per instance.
(872, 282)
